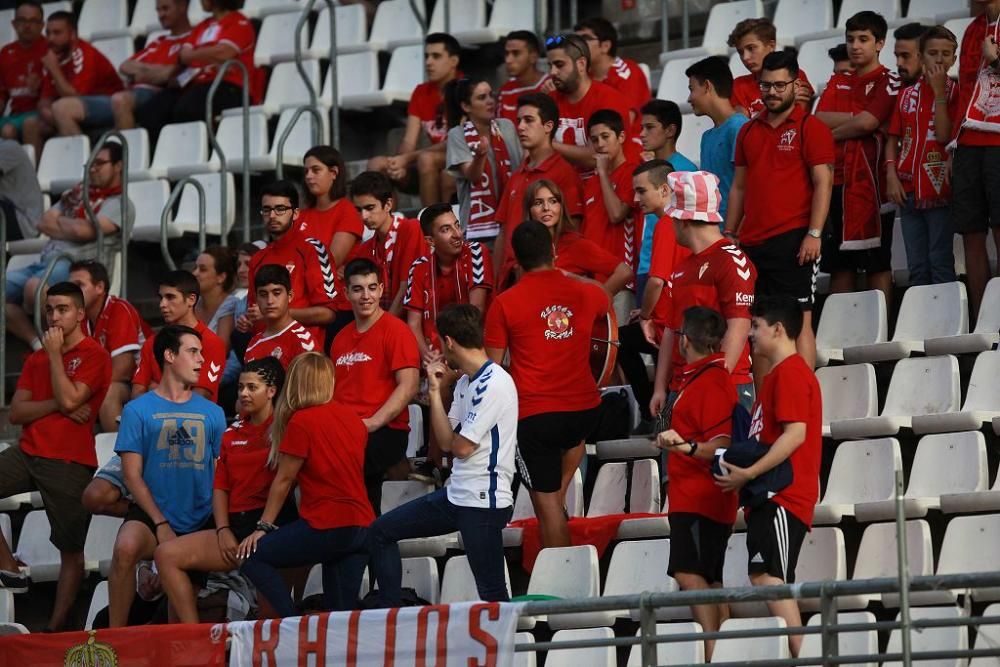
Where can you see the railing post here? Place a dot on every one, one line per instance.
(3, 311)
(685, 25)
(174, 194)
(420, 18)
(447, 16)
(539, 19)
(557, 17)
(41, 288)
(647, 628)
(299, 26)
(209, 118)
(664, 25)
(904, 568)
(280, 151)
(574, 13)
(126, 228)
(828, 616)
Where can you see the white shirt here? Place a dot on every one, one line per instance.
(484, 411)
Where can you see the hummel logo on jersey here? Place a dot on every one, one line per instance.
(352, 358)
(213, 371)
(757, 558)
(702, 270)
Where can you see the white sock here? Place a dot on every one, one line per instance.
(36, 345)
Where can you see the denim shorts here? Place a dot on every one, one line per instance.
(18, 278)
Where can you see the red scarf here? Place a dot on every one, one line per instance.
(922, 159)
(485, 195)
(983, 111)
(73, 200)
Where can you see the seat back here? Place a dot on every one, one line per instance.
(100, 543)
(957, 26)
(638, 566)
(144, 19)
(149, 197)
(459, 584)
(608, 496)
(672, 653)
(116, 49)
(596, 656)
(799, 17)
(689, 143)
(983, 391)
(566, 572)
(877, 551)
(300, 139)
(35, 549)
(286, 88)
(465, 15)
(181, 149)
(276, 39)
(508, 15)
(853, 318)
(138, 152)
(357, 74)
(98, 601)
(186, 219)
(889, 9)
(848, 643)
(952, 638)
(421, 574)
(673, 82)
(644, 497)
(101, 17)
(724, 16)
(930, 311)
(751, 648)
(394, 20)
(971, 544)
(823, 556)
(815, 61)
(105, 447)
(61, 163)
(849, 392)
(863, 471)
(406, 70)
(352, 28)
(963, 455)
(230, 138)
(988, 321)
(923, 386)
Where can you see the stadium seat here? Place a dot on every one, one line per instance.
(793, 18)
(672, 653)
(983, 337)
(103, 18)
(633, 404)
(751, 648)
(721, 19)
(850, 319)
(285, 89)
(406, 70)
(975, 501)
(861, 642)
(186, 218)
(887, 56)
(862, 471)
(395, 494)
(5, 529)
(7, 629)
(13, 503)
(566, 572)
(197, 14)
(100, 543)
(640, 566)
(60, 166)
(116, 49)
(823, 558)
(958, 27)
(815, 61)
(919, 386)
(951, 638)
(982, 400)
(877, 556)
(971, 544)
(29, 150)
(230, 137)
(258, 9)
(48, 8)
(596, 656)
(181, 150)
(673, 84)
(458, 583)
(276, 39)
(149, 197)
(987, 636)
(6, 606)
(35, 550)
(415, 441)
(138, 155)
(609, 494)
(395, 25)
(314, 582)
(523, 508)
(689, 142)
(357, 77)
(7, 34)
(98, 601)
(352, 31)
(935, 12)
(734, 575)
(849, 392)
(525, 658)
(465, 18)
(506, 16)
(421, 574)
(889, 9)
(144, 19)
(300, 139)
(963, 455)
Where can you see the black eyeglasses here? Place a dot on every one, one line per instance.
(280, 209)
(779, 86)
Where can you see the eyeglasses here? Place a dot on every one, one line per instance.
(97, 164)
(779, 86)
(266, 211)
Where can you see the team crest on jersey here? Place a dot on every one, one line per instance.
(276, 352)
(557, 322)
(73, 365)
(787, 140)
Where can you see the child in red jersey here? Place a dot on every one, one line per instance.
(282, 338)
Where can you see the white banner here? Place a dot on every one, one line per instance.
(468, 634)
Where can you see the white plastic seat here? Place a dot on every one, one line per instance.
(971, 544)
(814, 59)
(61, 165)
(49, 8)
(919, 386)
(139, 155)
(104, 445)
(276, 39)
(849, 392)
(357, 75)
(848, 643)
(641, 566)
(458, 583)
(734, 575)
(673, 653)
(395, 25)
(793, 18)
(5, 529)
(285, 89)
(181, 150)
(116, 49)
(352, 31)
(862, 471)
(7, 33)
(396, 494)
(150, 197)
(144, 19)
(595, 656)
(566, 572)
(982, 400)
(850, 319)
(951, 638)
(973, 501)
(467, 17)
(928, 311)
(196, 14)
(674, 83)
(823, 557)
(525, 658)
(186, 219)
(256, 9)
(985, 334)
(877, 557)
(963, 455)
(987, 636)
(314, 582)
(957, 26)
(936, 11)
(103, 18)
(406, 70)
(689, 142)
(100, 544)
(98, 601)
(230, 138)
(6, 606)
(506, 16)
(721, 19)
(421, 574)
(751, 648)
(890, 10)
(300, 139)
(35, 550)
(608, 496)
(523, 509)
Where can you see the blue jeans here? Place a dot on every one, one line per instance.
(340, 550)
(18, 278)
(928, 236)
(431, 515)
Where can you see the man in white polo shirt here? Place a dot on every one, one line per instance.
(480, 432)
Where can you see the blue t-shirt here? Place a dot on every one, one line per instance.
(718, 154)
(679, 163)
(179, 443)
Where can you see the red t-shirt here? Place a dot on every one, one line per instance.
(212, 349)
(332, 439)
(313, 272)
(242, 468)
(621, 237)
(630, 81)
(341, 217)
(791, 394)
(921, 156)
(746, 93)
(969, 63)
(19, 65)
(284, 346)
(56, 436)
(427, 104)
(510, 91)
(836, 98)
(119, 328)
(573, 116)
(703, 411)
(783, 154)
(404, 244)
(161, 51)
(722, 278)
(88, 70)
(667, 254)
(428, 290)
(235, 30)
(581, 256)
(545, 321)
(366, 365)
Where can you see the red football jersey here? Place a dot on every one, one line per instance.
(619, 238)
(573, 116)
(746, 93)
(119, 328)
(581, 256)
(921, 158)
(508, 94)
(90, 72)
(212, 349)
(284, 346)
(163, 50)
(235, 30)
(56, 436)
(341, 217)
(404, 244)
(983, 109)
(545, 321)
(21, 74)
(630, 81)
(242, 468)
(366, 364)
(427, 104)
(836, 98)
(667, 254)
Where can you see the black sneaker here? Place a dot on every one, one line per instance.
(15, 582)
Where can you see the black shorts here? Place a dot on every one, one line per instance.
(975, 189)
(778, 270)
(244, 523)
(871, 260)
(698, 546)
(774, 539)
(386, 447)
(541, 441)
(136, 513)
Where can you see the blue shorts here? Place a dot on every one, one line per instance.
(97, 108)
(18, 278)
(112, 473)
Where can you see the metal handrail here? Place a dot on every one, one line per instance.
(3, 311)
(287, 131)
(41, 287)
(209, 117)
(421, 21)
(168, 207)
(126, 229)
(332, 55)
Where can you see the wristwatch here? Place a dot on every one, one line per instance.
(815, 233)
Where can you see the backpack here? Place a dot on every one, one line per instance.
(740, 415)
(614, 418)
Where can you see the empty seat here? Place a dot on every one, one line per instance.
(963, 455)
(103, 18)
(849, 392)
(415, 441)
(406, 70)
(673, 653)
(352, 31)
(973, 501)
(116, 49)
(861, 642)
(6, 606)
(734, 575)
(987, 636)
(721, 19)
(641, 566)
(421, 574)
(100, 544)
(285, 89)
(815, 61)
(150, 198)
(609, 495)
(35, 550)
(5, 529)
(794, 18)
(256, 9)
(927, 311)
(952, 638)
(230, 138)
(596, 656)
(566, 572)
(458, 583)
(357, 75)
(276, 39)
(971, 544)
(525, 658)
(689, 141)
(982, 401)
(61, 165)
(983, 337)
(98, 601)
(300, 139)
(862, 471)
(889, 9)
(936, 11)
(877, 557)
(849, 320)
(751, 648)
(144, 19)
(186, 219)
(181, 150)
(395, 494)
(396, 25)
(7, 34)
(673, 84)
(314, 583)
(139, 155)
(506, 16)
(823, 557)
(919, 386)
(464, 18)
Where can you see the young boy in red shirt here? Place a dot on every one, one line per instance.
(282, 338)
(753, 39)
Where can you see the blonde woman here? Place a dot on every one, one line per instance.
(319, 443)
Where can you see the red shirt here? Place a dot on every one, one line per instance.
(119, 327)
(703, 411)
(836, 97)
(212, 349)
(510, 91)
(284, 346)
(313, 272)
(545, 321)
(366, 365)
(746, 93)
(722, 278)
(428, 290)
(341, 217)
(404, 244)
(242, 468)
(581, 256)
(969, 64)
(427, 104)
(921, 156)
(161, 51)
(573, 116)
(332, 439)
(785, 155)
(88, 70)
(619, 238)
(56, 436)
(20, 65)
(667, 254)
(791, 394)
(235, 30)
(630, 81)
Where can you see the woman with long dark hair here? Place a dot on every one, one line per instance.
(329, 216)
(216, 271)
